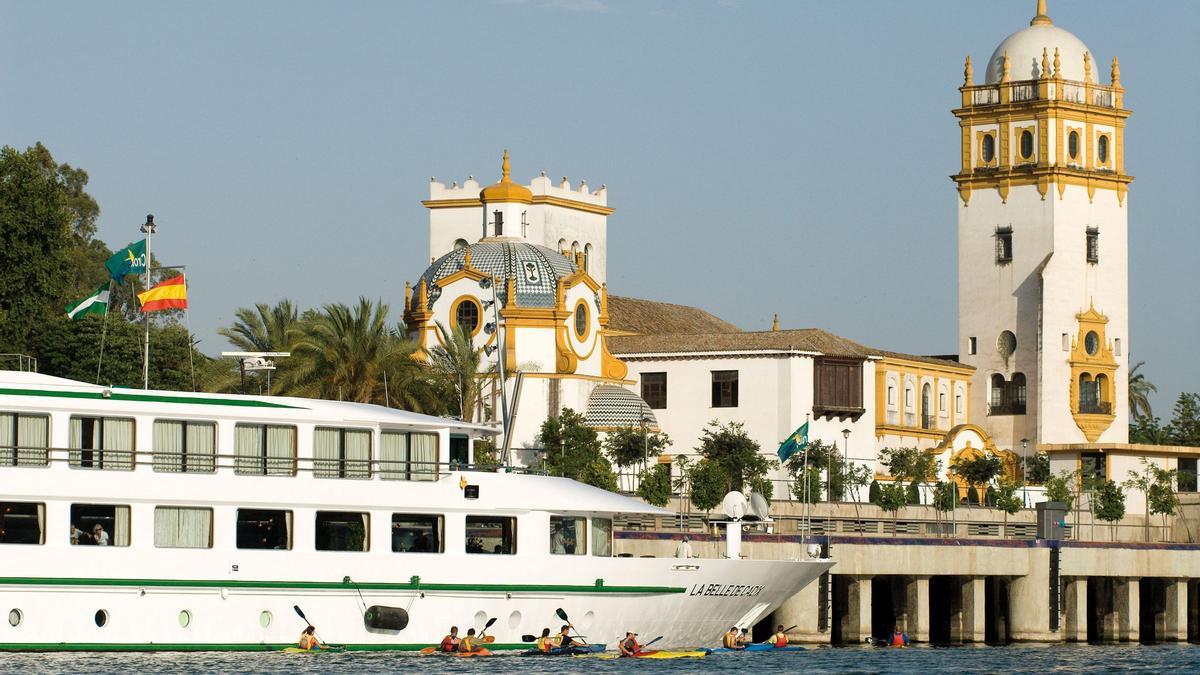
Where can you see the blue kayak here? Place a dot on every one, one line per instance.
(759, 648)
(573, 650)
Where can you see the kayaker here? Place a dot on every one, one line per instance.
(780, 638)
(899, 639)
(564, 639)
(308, 639)
(545, 643)
(467, 644)
(629, 646)
(450, 642)
(732, 639)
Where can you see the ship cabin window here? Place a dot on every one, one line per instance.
(405, 455)
(460, 451)
(416, 533)
(22, 523)
(264, 450)
(185, 447)
(99, 525)
(264, 529)
(602, 537)
(568, 535)
(24, 439)
(343, 531)
(491, 534)
(342, 453)
(183, 527)
(1187, 474)
(101, 443)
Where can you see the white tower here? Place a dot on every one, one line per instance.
(1042, 242)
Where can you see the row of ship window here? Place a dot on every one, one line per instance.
(271, 529)
(185, 446)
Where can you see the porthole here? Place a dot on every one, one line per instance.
(988, 151)
(1073, 145)
(480, 618)
(1026, 144)
(14, 617)
(101, 618)
(185, 618)
(514, 620)
(1091, 342)
(1102, 149)
(264, 619)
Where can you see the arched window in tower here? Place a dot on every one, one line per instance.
(1102, 149)
(996, 394)
(466, 315)
(574, 248)
(587, 257)
(1026, 144)
(1073, 145)
(460, 244)
(562, 246)
(1102, 394)
(1018, 391)
(926, 406)
(1007, 397)
(988, 150)
(1089, 394)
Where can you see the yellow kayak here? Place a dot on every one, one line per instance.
(655, 654)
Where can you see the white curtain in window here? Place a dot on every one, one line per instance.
(75, 440)
(118, 444)
(424, 456)
(33, 439)
(325, 453)
(120, 526)
(168, 446)
(176, 527)
(201, 447)
(366, 525)
(393, 455)
(602, 537)
(8, 441)
(247, 448)
(281, 451)
(358, 454)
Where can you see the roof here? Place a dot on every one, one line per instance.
(647, 317)
(1026, 47)
(535, 270)
(612, 407)
(934, 360)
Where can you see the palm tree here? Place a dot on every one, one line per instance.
(264, 328)
(457, 361)
(1139, 393)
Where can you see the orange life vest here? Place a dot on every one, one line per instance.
(897, 639)
(448, 644)
(307, 641)
(781, 640)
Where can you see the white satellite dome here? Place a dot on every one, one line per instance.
(1025, 48)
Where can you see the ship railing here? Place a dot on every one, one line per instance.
(84, 459)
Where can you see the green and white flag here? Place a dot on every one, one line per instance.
(96, 303)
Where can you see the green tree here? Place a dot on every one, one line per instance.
(910, 465)
(822, 459)
(573, 450)
(1157, 487)
(654, 485)
(1185, 421)
(485, 455)
(892, 498)
(709, 483)
(1110, 504)
(1036, 468)
(1060, 488)
(945, 496)
(263, 328)
(1139, 393)
(1007, 499)
(738, 455)
(1149, 430)
(456, 361)
(633, 445)
(979, 470)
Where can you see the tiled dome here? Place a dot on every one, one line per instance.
(536, 269)
(614, 407)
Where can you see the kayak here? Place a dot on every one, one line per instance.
(574, 650)
(661, 654)
(758, 648)
(326, 650)
(477, 652)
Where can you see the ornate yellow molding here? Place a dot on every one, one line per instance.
(468, 202)
(1093, 362)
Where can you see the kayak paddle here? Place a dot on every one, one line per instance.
(300, 613)
(528, 638)
(642, 648)
(784, 630)
(489, 638)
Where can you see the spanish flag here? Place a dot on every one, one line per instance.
(170, 294)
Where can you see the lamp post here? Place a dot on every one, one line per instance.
(644, 423)
(150, 229)
(485, 284)
(1025, 471)
(845, 455)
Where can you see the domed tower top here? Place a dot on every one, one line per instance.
(1024, 50)
(506, 190)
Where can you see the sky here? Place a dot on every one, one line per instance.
(762, 157)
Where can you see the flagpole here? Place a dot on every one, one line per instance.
(104, 330)
(187, 319)
(807, 521)
(148, 228)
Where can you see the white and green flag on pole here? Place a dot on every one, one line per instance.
(96, 303)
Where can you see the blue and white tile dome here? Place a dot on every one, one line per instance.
(536, 269)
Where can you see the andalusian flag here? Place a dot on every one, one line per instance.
(96, 303)
(129, 260)
(794, 443)
(169, 294)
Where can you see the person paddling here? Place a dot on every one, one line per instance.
(780, 638)
(308, 639)
(450, 642)
(564, 640)
(899, 639)
(629, 646)
(545, 643)
(732, 639)
(467, 644)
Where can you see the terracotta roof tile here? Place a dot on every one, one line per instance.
(647, 317)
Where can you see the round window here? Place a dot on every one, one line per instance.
(1006, 344)
(264, 619)
(988, 152)
(185, 618)
(1073, 144)
(1091, 342)
(14, 617)
(466, 316)
(1102, 149)
(581, 321)
(101, 618)
(1026, 144)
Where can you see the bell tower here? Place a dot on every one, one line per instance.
(1042, 241)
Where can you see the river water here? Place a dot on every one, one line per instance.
(923, 660)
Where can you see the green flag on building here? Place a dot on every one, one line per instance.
(96, 303)
(794, 443)
(129, 260)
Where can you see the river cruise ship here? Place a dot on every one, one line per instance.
(155, 520)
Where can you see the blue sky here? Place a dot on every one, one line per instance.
(763, 157)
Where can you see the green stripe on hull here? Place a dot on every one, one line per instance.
(336, 585)
(147, 398)
(214, 647)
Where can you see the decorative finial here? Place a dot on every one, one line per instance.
(1041, 18)
(1045, 64)
(1057, 64)
(1005, 65)
(968, 73)
(407, 294)
(775, 323)
(467, 258)
(1087, 67)
(505, 168)
(1116, 73)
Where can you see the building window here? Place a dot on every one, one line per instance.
(581, 320)
(101, 443)
(24, 439)
(602, 537)
(1073, 145)
(342, 453)
(1091, 343)
(927, 407)
(988, 150)
(1187, 474)
(413, 533)
(491, 534)
(1117, 346)
(22, 523)
(1007, 397)
(343, 531)
(942, 402)
(838, 385)
(1093, 244)
(1092, 395)
(460, 244)
(405, 455)
(958, 404)
(185, 447)
(908, 398)
(99, 524)
(587, 258)
(654, 390)
(264, 529)
(264, 450)
(568, 535)
(724, 388)
(1026, 144)
(179, 527)
(971, 347)
(1004, 245)
(891, 394)
(466, 316)
(1093, 469)
(1102, 148)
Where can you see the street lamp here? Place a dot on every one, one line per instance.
(845, 457)
(645, 425)
(1025, 471)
